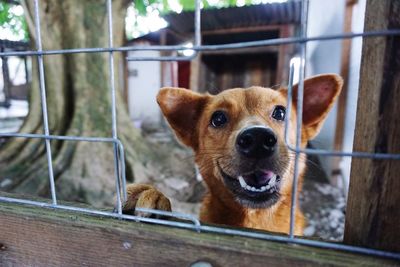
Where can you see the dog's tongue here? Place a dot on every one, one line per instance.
(259, 178)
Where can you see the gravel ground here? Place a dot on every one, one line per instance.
(324, 207)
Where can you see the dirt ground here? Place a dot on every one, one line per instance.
(323, 204)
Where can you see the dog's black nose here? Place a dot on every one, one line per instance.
(256, 142)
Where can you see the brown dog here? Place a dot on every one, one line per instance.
(238, 140)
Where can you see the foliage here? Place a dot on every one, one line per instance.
(15, 23)
(164, 6)
(145, 15)
(12, 20)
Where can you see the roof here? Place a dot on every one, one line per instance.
(237, 17)
(156, 36)
(181, 25)
(14, 45)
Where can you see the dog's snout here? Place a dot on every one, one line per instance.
(256, 142)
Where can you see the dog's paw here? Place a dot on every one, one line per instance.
(144, 196)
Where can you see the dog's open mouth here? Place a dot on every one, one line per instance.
(258, 189)
(260, 181)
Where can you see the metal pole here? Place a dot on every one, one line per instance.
(44, 102)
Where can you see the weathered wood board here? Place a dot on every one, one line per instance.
(373, 210)
(32, 236)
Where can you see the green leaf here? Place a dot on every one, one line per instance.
(9, 20)
(206, 4)
(232, 2)
(140, 7)
(4, 13)
(187, 4)
(166, 6)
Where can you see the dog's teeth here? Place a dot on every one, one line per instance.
(242, 182)
(272, 181)
(269, 186)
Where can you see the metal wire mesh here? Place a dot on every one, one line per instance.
(119, 161)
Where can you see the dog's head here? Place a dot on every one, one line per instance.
(238, 135)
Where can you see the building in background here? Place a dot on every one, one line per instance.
(213, 71)
(14, 84)
(342, 57)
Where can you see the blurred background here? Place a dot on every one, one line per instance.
(79, 98)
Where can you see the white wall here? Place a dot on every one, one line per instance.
(144, 82)
(325, 17)
(353, 83)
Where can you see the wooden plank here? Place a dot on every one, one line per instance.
(32, 236)
(247, 50)
(195, 68)
(285, 54)
(373, 209)
(243, 29)
(344, 72)
(342, 100)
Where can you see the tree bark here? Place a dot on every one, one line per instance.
(79, 104)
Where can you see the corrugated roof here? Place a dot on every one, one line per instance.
(155, 37)
(235, 17)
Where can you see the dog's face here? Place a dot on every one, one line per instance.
(238, 136)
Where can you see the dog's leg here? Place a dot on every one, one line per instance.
(144, 196)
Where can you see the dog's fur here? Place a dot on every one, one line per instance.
(219, 161)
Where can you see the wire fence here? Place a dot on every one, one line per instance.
(190, 222)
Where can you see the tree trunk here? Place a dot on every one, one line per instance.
(79, 104)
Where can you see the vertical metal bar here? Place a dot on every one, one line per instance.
(44, 103)
(303, 33)
(26, 69)
(111, 69)
(113, 109)
(289, 103)
(122, 162)
(197, 24)
(6, 80)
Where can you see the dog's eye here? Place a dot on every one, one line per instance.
(218, 119)
(279, 113)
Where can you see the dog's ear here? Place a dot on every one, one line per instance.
(182, 108)
(320, 93)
